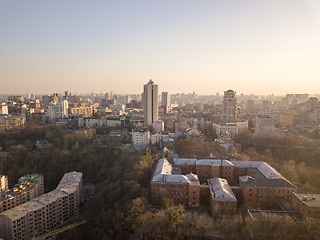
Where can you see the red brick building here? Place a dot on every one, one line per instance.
(307, 204)
(257, 184)
(222, 199)
(168, 182)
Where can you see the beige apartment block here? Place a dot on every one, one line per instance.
(45, 213)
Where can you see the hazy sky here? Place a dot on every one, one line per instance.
(205, 46)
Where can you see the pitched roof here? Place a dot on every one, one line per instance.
(220, 190)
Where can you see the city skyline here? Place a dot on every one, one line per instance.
(208, 47)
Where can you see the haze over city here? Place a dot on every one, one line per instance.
(260, 47)
(152, 120)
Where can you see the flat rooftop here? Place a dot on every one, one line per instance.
(166, 172)
(311, 200)
(220, 190)
(32, 178)
(70, 182)
(22, 210)
(21, 188)
(51, 197)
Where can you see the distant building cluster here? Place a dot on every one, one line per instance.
(43, 213)
(229, 114)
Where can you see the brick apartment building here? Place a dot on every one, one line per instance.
(222, 198)
(169, 182)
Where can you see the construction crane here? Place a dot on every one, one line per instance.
(44, 236)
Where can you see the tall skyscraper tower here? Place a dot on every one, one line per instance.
(150, 103)
(229, 105)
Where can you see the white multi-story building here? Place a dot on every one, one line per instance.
(62, 111)
(140, 137)
(157, 138)
(51, 111)
(232, 129)
(3, 108)
(226, 129)
(150, 103)
(265, 126)
(57, 110)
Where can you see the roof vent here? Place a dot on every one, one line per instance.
(305, 198)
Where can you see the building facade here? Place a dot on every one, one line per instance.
(307, 204)
(222, 198)
(150, 103)
(140, 138)
(3, 108)
(165, 101)
(158, 126)
(82, 110)
(257, 184)
(265, 126)
(229, 107)
(3, 183)
(167, 182)
(27, 188)
(45, 213)
(11, 122)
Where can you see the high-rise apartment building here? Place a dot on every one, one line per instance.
(165, 101)
(62, 109)
(229, 107)
(150, 103)
(58, 110)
